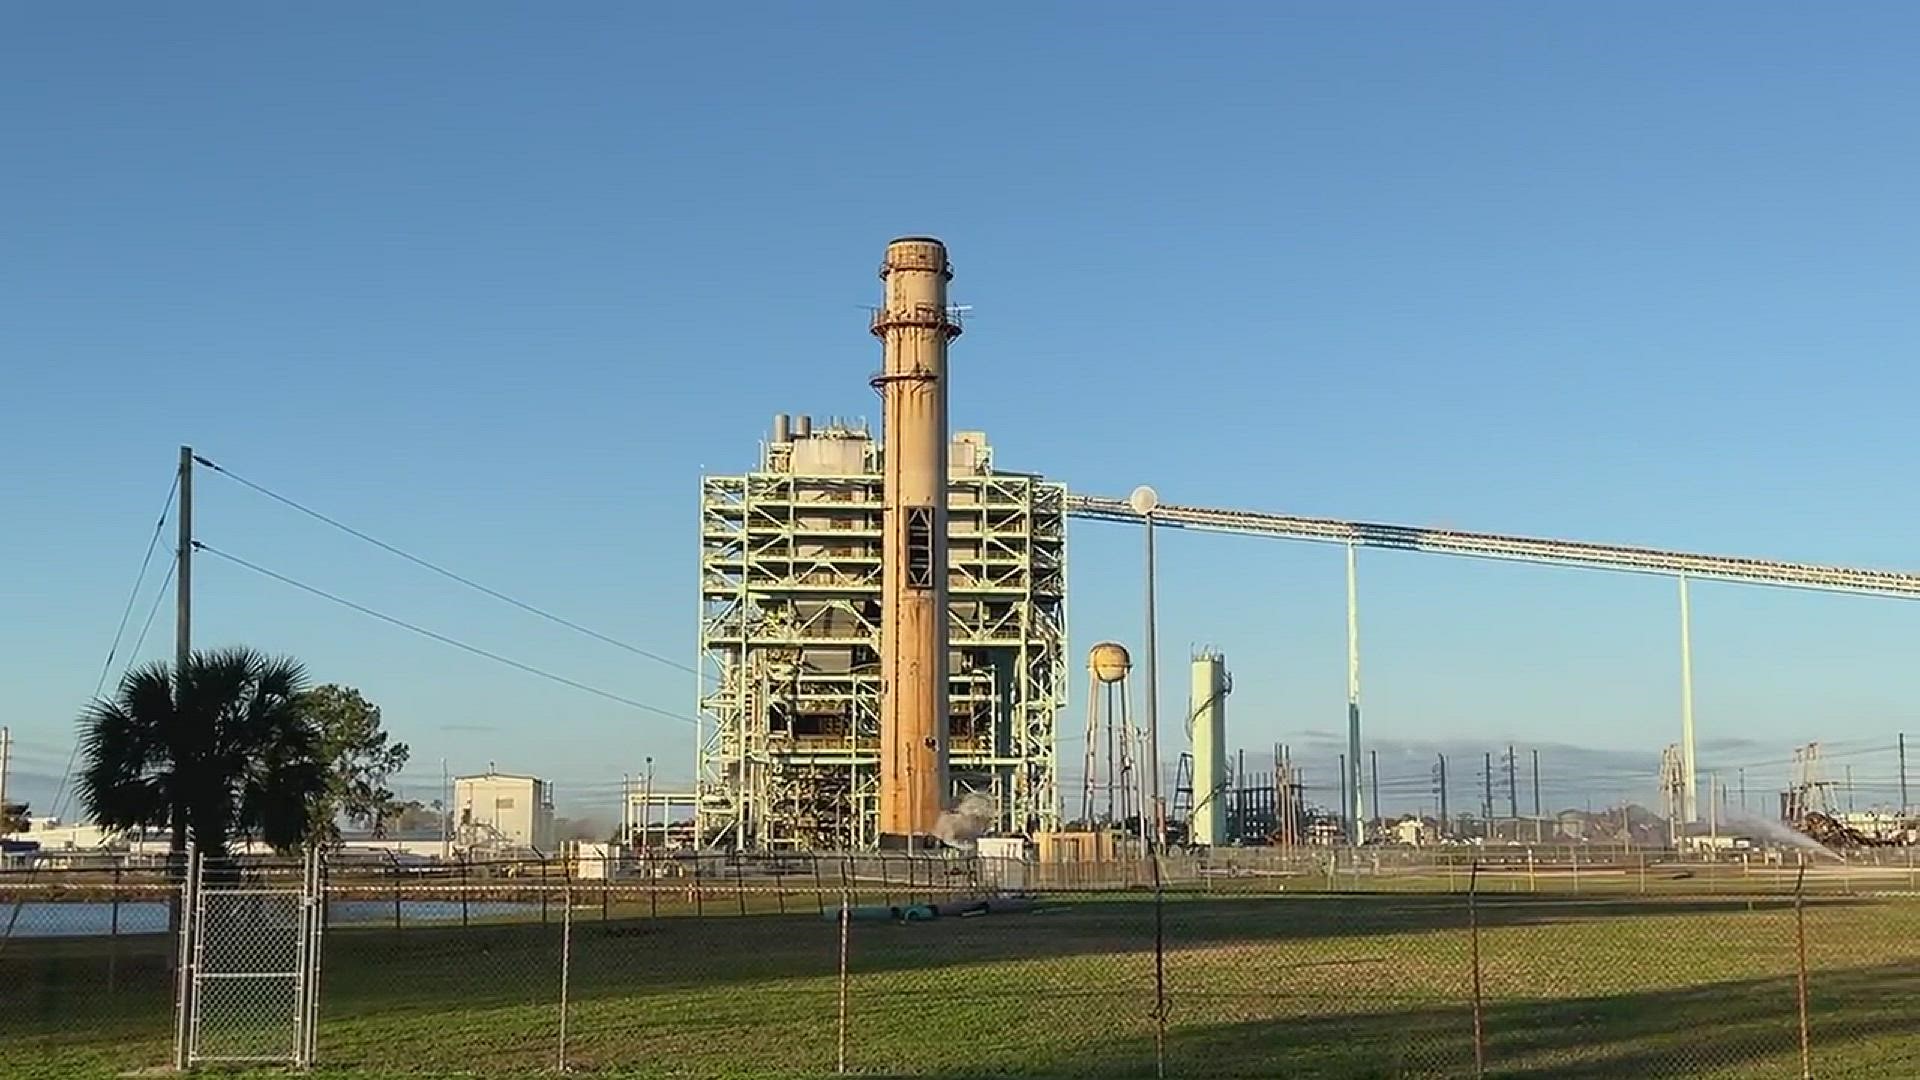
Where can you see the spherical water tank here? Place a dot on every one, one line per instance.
(1109, 662)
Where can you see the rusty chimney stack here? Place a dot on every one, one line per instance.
(914, 327)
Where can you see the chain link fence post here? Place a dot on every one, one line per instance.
(322, 870)
(566, 957)
(1800, 946)
(113, 946)
(1473, 929)
(183, 961)
(1159, 971)
(846, 919)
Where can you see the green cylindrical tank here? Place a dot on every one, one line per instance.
(1207, 726)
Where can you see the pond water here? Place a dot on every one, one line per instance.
(44, 919)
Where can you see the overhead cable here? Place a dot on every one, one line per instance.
(443, 571)
(113, 649)
(442, 638)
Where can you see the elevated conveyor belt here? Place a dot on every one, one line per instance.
(1576, 553)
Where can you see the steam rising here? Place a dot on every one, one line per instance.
(964, 823)
(1779, 832)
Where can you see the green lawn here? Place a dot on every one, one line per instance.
(1299, 985)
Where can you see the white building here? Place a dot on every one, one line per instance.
(1412, 832)
(502, 811)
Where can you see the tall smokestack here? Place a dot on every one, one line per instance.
(914, 328)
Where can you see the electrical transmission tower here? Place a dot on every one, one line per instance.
(1673, 789)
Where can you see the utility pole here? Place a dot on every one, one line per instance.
(1513, 792)
(446, 814)
(1343, 787)
(180, 836)
(1849, 789)
(6, 756)
(1903, 774)
(1713, 810)
(183, 573)
(1373, 765)
(646, 810)
(1441, 782)
(1536, 796)
(1486, 803)
(1242, 798)
(1743, 789)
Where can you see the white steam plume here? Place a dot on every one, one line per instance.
(972, 818)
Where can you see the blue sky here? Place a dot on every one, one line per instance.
(496, 283)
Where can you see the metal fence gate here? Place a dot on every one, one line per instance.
(249, 986)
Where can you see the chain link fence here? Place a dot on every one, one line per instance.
(1332, 964)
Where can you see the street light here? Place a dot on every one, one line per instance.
(1144, 501)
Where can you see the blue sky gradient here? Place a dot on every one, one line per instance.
(496, 284)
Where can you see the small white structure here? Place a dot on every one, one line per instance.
(1003, 861)
(590, 861)
(502, 811)
(1412, 832)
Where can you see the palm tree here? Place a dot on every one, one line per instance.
(223, 749)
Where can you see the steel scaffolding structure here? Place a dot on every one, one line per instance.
(790, 584)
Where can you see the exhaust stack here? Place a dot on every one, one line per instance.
(914, 327)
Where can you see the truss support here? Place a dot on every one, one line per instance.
(789, 635)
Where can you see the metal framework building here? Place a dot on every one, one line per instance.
(790, 585)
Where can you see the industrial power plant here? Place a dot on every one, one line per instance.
(777, 541)
(853, 693)
(856, 692)
(883, 664)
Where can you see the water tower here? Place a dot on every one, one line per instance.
(1109, 792)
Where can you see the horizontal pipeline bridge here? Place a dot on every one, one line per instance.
(1637, 560)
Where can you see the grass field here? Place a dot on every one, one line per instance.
(1319, 985)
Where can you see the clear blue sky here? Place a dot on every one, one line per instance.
(497, 284)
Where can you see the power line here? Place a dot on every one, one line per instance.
(106, 666)
(133, 594)
(442, 638)
(444, 572)
(154, 609)
(132, 655)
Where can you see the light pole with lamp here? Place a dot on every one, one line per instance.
(1144, 501)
